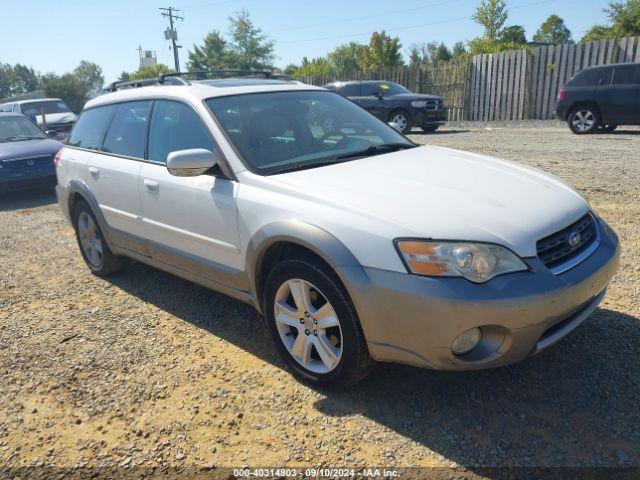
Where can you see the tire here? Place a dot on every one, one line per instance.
(608, 128)
(584, 120)
(95, 251)
(403, 119)
(346, 358)
(430, 129)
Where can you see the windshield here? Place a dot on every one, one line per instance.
(13, 129)
(50, 106)
(284, 131)
(390, 88)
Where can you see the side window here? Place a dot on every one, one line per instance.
(591, 78)
(637, 81)
(126, 135)
(91, 127)
(351, 90)
(16, 108)
(175, 126)
(624, 76)
(368, 89)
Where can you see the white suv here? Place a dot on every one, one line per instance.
(355, 243)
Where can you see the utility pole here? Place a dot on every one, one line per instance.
(171, 33)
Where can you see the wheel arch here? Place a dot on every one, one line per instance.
(79, 191)
(584, 103)
(280, 240)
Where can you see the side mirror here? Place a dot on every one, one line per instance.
(191, 162)
(395, 126)
(377, 94)
(52, 134)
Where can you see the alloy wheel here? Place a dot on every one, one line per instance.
(90, 239)
(584, 120)
(401, 120)
(308, 326)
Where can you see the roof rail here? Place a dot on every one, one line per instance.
(142, 82)
(219, 73)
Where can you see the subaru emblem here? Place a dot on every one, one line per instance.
(574, 239)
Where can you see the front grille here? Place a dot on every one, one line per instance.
(436, 104)
(22, 163)
(564, 245)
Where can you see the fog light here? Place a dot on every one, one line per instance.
(466, 341)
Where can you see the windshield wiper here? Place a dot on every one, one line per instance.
(23, 137)
(377, 149)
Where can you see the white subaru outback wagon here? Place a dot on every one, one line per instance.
(356, 244)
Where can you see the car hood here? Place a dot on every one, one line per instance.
(23, 148)
(53, 118)
(416, 96)
(440, 193)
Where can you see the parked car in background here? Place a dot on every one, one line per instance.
(57, 115)
(355, 243)
(394, 103)
(26, 154)
(601, 98)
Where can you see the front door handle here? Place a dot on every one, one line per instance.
(94, 172)
(151, 185)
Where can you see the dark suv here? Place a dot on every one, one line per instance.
(601, 98)
(394, 103)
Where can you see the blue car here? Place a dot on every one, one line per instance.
(26, 154)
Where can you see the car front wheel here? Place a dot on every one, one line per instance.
(314, 325)
(584, 120)
(403, 120)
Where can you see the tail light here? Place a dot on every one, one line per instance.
(561, 94)
(58, 158)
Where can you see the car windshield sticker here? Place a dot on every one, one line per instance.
(384, 86)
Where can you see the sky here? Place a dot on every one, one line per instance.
(53, 36)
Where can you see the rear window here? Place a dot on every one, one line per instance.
(126, 135)
(590, 78)
(91, 127)
(49, 107)
(352, 90)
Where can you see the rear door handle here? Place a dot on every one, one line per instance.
(151, 186)
(94, 172)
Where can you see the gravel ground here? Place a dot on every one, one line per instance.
(144, 369)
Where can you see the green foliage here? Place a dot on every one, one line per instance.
(431, 52)
(150, 71)
(625, 21)
(68, 87)
(459, 50)
(344, 59)
(90, 74)
(17, 79)
(553, 30)
(491, 15)
(212, 54)
(514, 34)
(479, 46)
(382, 52)
(249, 47)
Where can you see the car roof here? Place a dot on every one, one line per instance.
(200, 90)
(31, 100)
(354, 82)
(612, 65)
(11, 114)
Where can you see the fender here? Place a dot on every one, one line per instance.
(312, 237)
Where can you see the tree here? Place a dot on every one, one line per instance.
(491, 15)
(382, 52)
(151, 71)
(68, 87)
(625, 21)
(214, 53)
(458, 50)
(514, 34)
(17, 79)
(553, 30)
(344, 58)
(90, 74)
(249, 47)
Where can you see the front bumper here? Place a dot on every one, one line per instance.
(30, 179)
(413, 319)
(429, 118)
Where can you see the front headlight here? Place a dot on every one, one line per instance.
(477, 262)
(419, 103)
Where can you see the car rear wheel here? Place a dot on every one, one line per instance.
(314, 325)
(95, 251)
(584, 120)
(403, 120)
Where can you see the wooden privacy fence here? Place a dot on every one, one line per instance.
(514, 85)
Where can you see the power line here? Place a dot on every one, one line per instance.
(361, 34)
(367, 17)
(171, 33)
